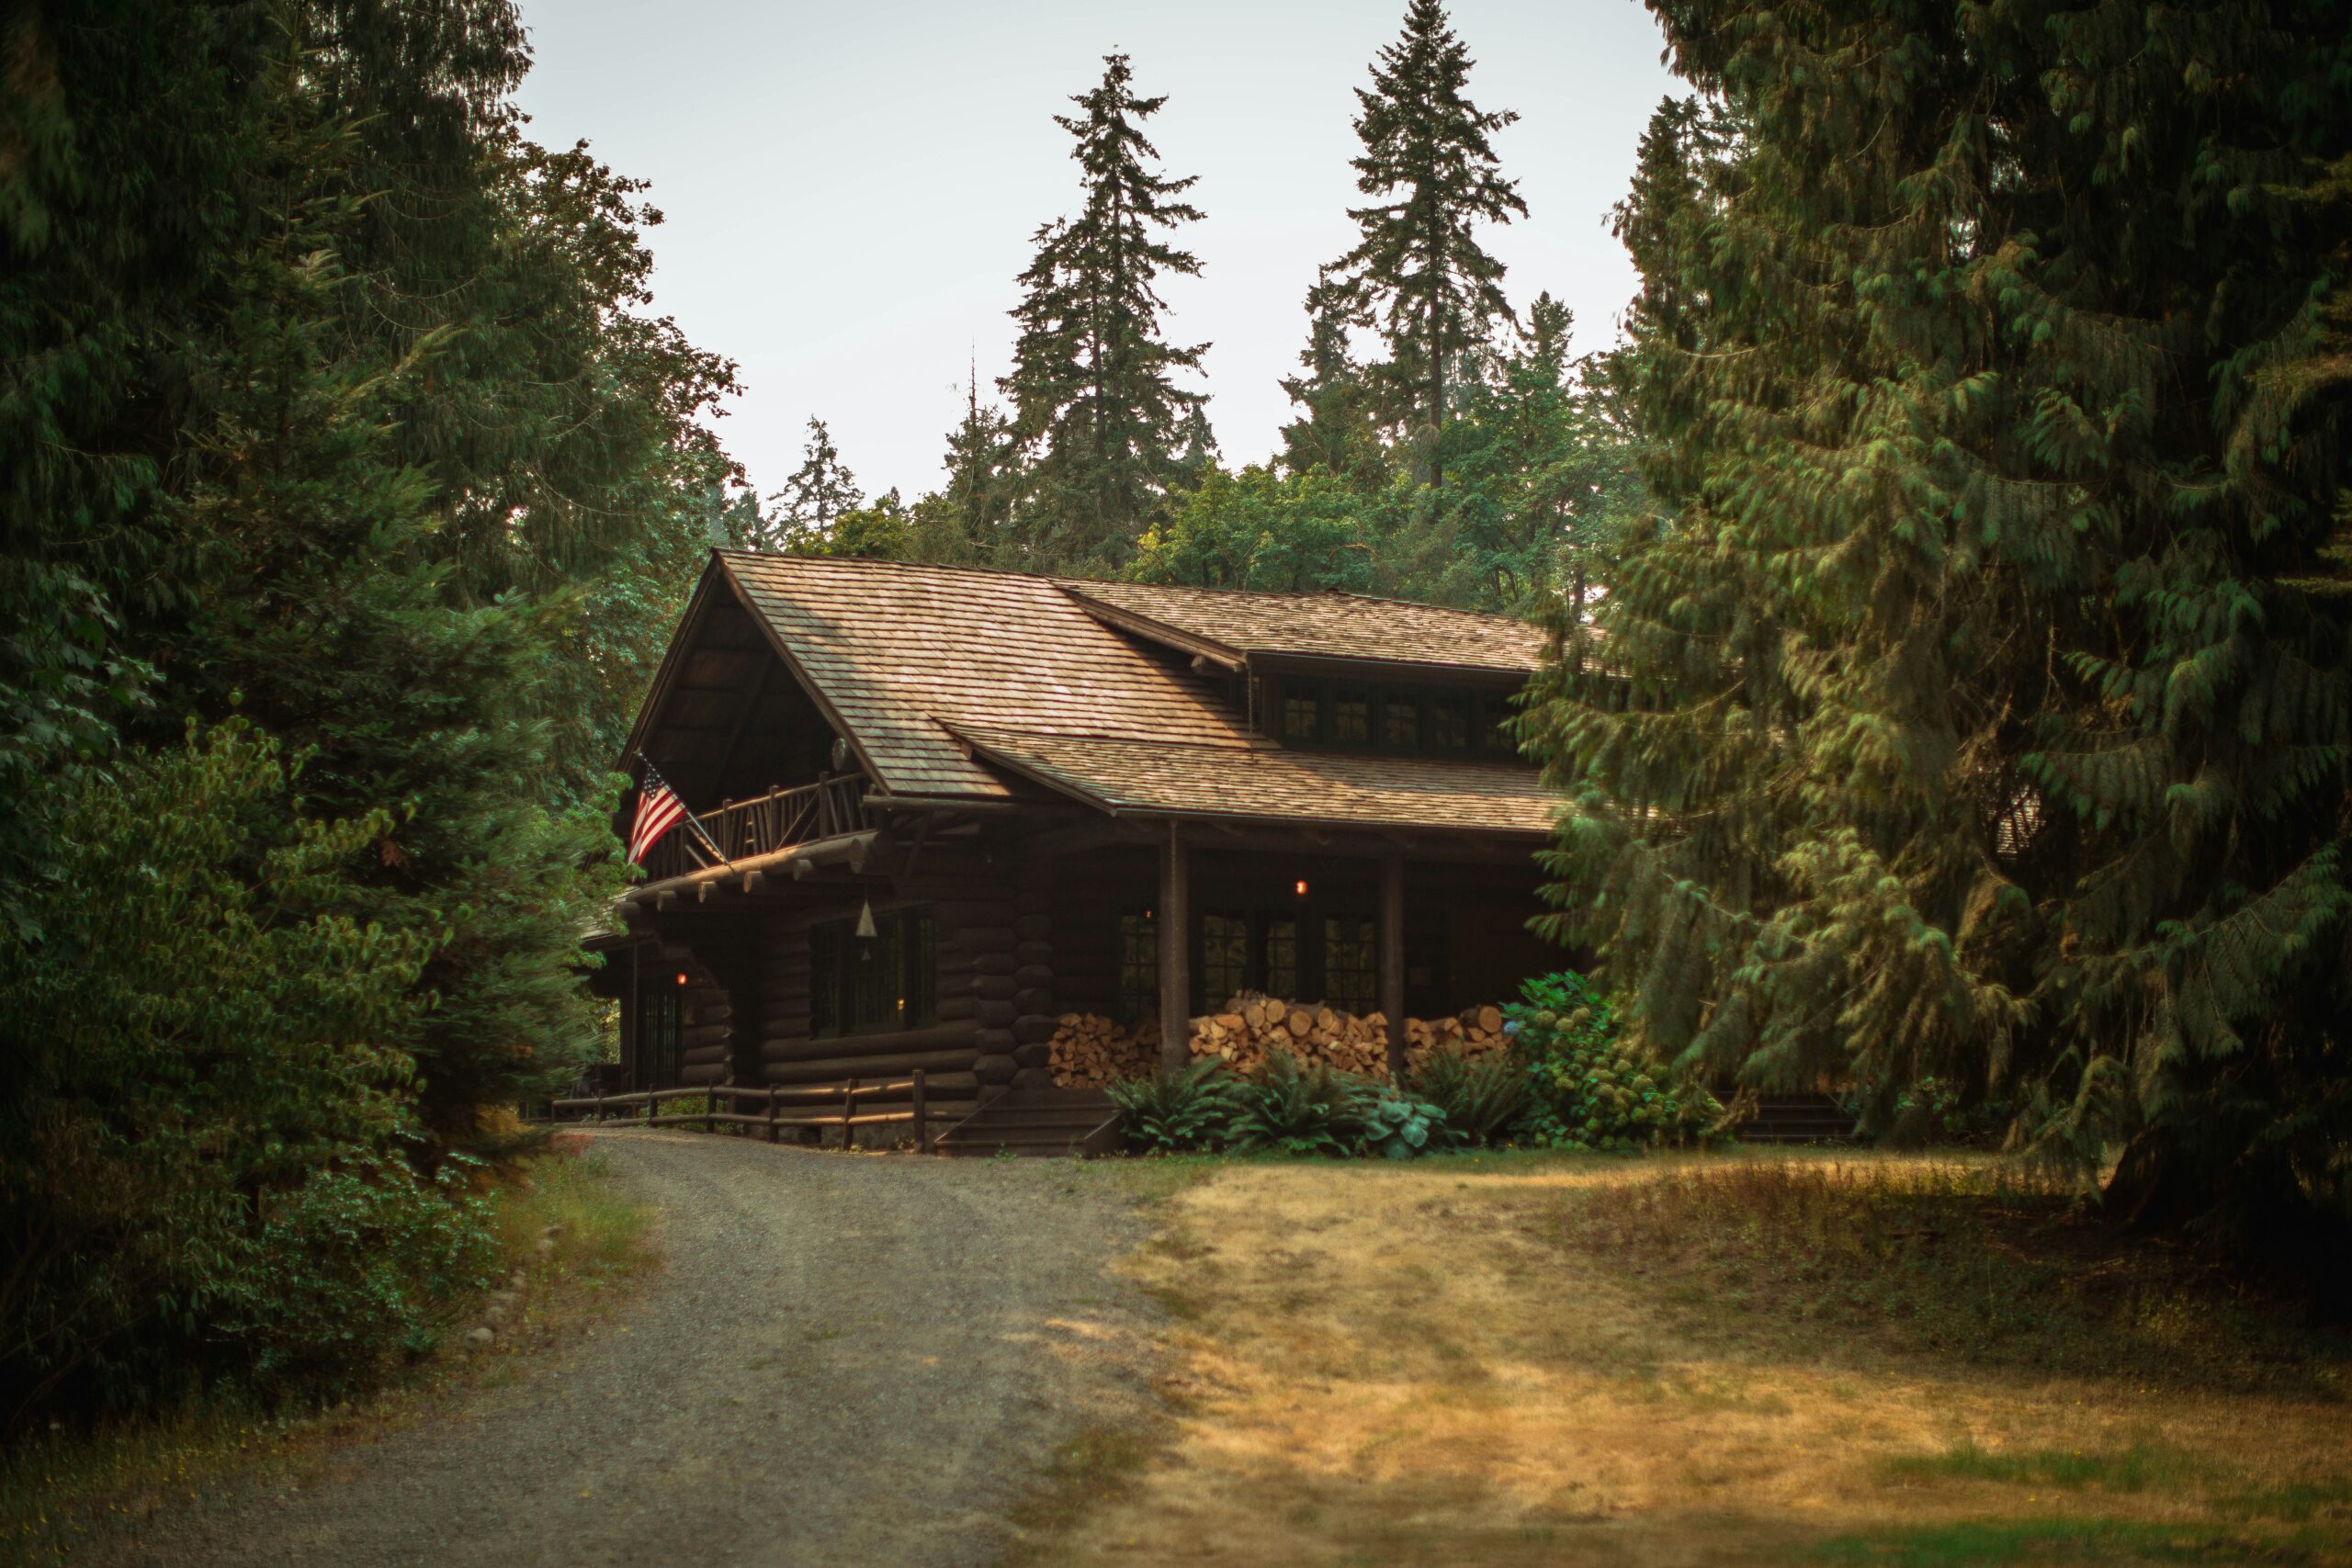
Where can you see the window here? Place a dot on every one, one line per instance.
(1351, 962)
(1428, 719)
(1139, 968)
(658, 1008)
(1351, 717)
(1302, 716)
(1225, 957)
(867, 984)
(1282, 958)
(1400, 721)
(1450, 721)
(1498, 714)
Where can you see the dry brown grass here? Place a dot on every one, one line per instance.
(1520, 1362)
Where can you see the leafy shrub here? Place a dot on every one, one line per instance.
(1482, 1098)
(1588, 1092)
(193, 1077)
(352, 1267)
(1170, 1111)
(1295, 1109)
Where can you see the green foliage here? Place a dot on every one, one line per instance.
(200, 1038)
(1590, 1090)
(1397, 1126)
(1168, 1112)
(1979, 706)
(329, 405)
(1482, 1098)
(1290, 1107)
(355, 1265)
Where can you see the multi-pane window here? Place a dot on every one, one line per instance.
(1351, 717)
(1139, 968)
(1400, 721)
(1302, 716)
(1225, 957)
(865, 984)
(1444, 720)
(1450, 721)
(1351, 962)
(1282, 958)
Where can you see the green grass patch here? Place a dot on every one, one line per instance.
(1981, 1543)
(2136, 1469)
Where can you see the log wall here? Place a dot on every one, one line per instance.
(980, 986)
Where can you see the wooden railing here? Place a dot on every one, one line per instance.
(846, 1118)
(764, 824)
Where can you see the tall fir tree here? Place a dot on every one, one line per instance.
(813, 500)
(1094, 390)
(1979, 706)
(1417, 273)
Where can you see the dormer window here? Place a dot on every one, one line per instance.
(1426, 720)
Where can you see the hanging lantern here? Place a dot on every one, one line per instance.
(865, 919)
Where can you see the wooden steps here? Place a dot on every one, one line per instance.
(1038, 1122)
(1798, 1119)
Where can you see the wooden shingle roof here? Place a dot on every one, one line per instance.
(1241, 624)
(1347, 789)
(960, 683)
(899, 652)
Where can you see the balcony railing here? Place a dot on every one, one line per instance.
(764, 824)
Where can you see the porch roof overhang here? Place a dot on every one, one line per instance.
(853, 849)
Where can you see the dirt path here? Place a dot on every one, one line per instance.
(844, 1359)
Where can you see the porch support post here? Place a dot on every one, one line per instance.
(1392, 959)
(1175, 975)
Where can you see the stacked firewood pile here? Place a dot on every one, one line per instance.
(1253, 1026)
(1479, 1031)
(1089, 1051)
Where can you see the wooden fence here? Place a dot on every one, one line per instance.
(846, 1117)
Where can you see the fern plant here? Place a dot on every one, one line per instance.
(1484, 1099)
(1168, 1113)
(1294, 1109)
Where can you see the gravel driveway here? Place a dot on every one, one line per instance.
(854, 1359)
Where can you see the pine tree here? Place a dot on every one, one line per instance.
(813, 499)
(1094, 384)
(1417, 271)
(1975, 709)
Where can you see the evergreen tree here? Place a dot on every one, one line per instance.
(1338, 431)
(812, 500)
(968, 521)
(1093, 385)
(1979, 707)
(1417, 271)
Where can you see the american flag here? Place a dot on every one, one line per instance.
(658, 810)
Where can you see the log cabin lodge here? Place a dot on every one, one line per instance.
(956, 805)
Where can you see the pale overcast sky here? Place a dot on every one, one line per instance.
(849, 190)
